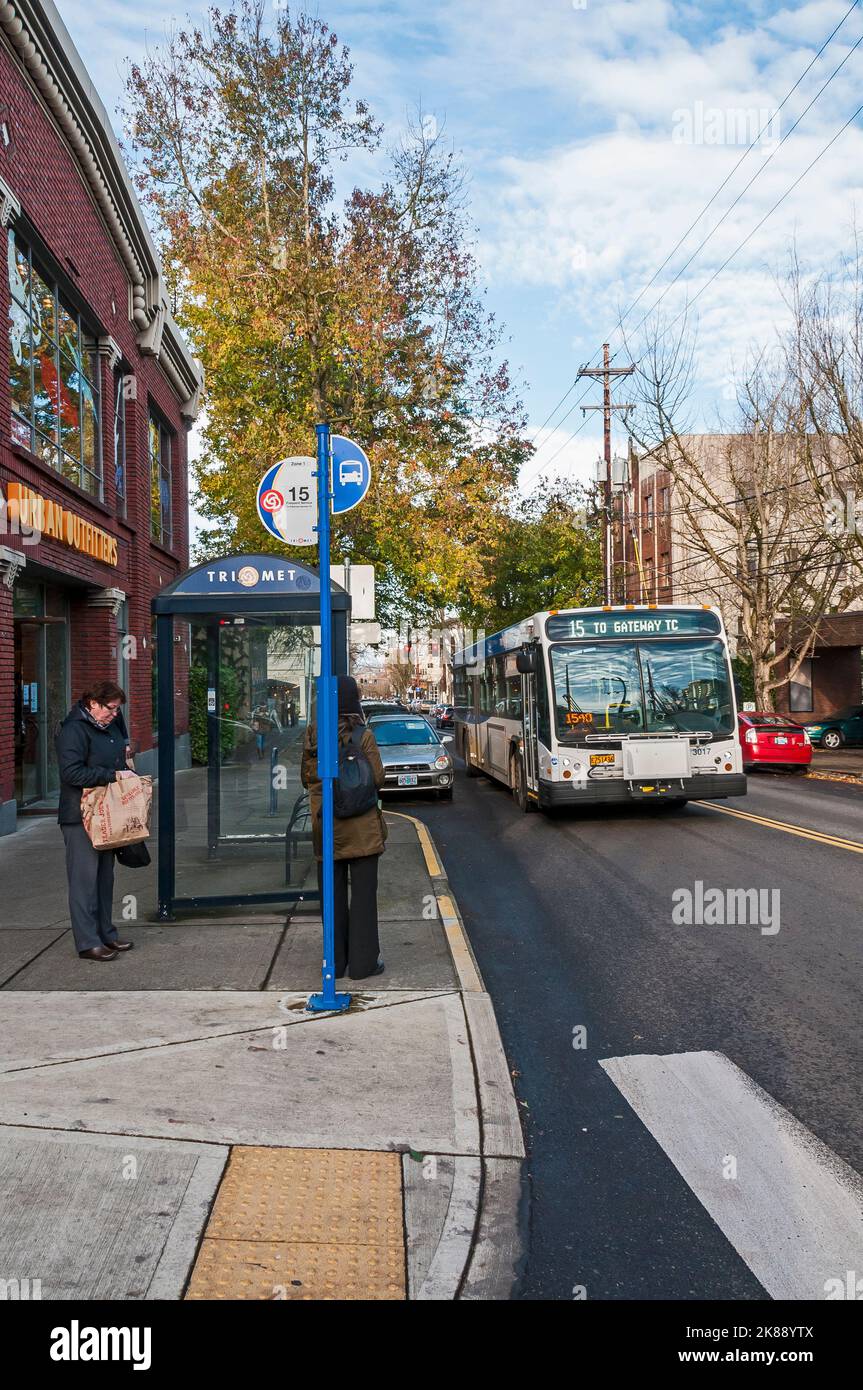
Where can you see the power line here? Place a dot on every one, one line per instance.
(621, 320)
(745, 190)
(744, 156)
(768, 214)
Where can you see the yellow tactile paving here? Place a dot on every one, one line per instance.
(245, 1269)
(304, 1223)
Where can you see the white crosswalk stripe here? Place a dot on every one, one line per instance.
(790, 1207)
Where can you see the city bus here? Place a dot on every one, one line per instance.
(583, 705)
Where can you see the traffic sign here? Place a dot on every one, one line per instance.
(352, 473)
(287, 500)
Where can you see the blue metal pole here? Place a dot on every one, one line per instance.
(328, 999)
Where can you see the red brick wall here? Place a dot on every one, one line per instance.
(40, 169)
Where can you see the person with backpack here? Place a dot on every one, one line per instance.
(359, 833)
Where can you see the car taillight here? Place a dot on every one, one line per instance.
(806, 738)
(751, 736)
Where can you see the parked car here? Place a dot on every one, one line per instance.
(773, 740)
(370, 707)
(836, 730)
(444, 717)
(414, 757)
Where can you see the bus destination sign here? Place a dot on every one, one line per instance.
(561, 627)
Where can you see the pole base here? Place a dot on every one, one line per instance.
(319, 1004)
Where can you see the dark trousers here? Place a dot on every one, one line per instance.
(356, 921)
(91, 889)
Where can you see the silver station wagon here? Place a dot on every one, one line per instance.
(415, 758)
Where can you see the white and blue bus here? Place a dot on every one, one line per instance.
(584, 705)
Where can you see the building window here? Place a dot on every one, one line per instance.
(648, 511)
(663, 500)
(160, 483)
(664, 571)
(53, 374)
(120, 440)
(800, 689)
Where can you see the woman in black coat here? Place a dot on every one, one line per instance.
(92, 750)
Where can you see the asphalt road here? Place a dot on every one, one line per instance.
(571, 921)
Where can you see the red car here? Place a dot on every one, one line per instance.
(773, 740)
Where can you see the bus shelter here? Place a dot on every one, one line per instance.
(237, 654)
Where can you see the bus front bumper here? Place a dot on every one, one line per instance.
(706, 787)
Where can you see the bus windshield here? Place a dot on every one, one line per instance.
(645, 687)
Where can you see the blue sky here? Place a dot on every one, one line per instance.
(593, 132)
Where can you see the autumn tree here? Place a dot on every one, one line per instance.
(545, 555)
(306, 304)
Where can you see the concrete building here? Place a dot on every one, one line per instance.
(655, 560)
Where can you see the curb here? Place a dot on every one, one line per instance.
(478, 1216)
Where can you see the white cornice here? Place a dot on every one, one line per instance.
(42, 43)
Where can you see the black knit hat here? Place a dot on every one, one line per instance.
(349, 696)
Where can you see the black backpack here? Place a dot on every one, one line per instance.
(354, 790)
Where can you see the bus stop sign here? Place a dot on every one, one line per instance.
(287, 501)
(352, 473)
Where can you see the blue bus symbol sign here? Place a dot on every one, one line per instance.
(352, 473)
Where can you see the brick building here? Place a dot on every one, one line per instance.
(94, 411)
(655, 560)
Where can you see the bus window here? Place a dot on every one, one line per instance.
(596, 688)
(513, 697)
(543, 717)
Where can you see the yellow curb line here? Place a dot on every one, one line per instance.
(462, 958)
(834, 841)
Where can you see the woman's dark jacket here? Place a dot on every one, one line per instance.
(358, 836)
(88, 757)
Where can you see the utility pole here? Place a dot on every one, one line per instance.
(606, 372)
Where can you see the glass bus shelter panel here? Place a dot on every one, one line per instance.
(242, 814)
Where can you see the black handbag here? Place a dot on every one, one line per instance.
(133, 856)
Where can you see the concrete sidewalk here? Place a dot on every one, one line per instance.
(176, 1124)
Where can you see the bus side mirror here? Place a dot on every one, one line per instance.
(525, 662)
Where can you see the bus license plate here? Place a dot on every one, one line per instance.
(408, 779)
(597, 758)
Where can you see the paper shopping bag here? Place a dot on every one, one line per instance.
(118, 814)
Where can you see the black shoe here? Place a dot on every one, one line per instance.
(378, 970)
(98, 953)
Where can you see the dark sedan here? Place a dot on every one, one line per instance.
(836, 730)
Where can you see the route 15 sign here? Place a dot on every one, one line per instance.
(287, 500)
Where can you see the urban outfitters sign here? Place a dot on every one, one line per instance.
(29, 508)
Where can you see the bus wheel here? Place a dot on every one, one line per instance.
(468, 762)
(518, 783)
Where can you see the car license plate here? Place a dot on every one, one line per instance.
(408, 779)
(780, 738)
(598, 758)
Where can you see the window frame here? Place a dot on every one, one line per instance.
(160, 534)
(83, 358)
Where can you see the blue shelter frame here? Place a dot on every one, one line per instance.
(248, 587)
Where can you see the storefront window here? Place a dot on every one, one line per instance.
(120, 441)
(53, 374)
(160, 482)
